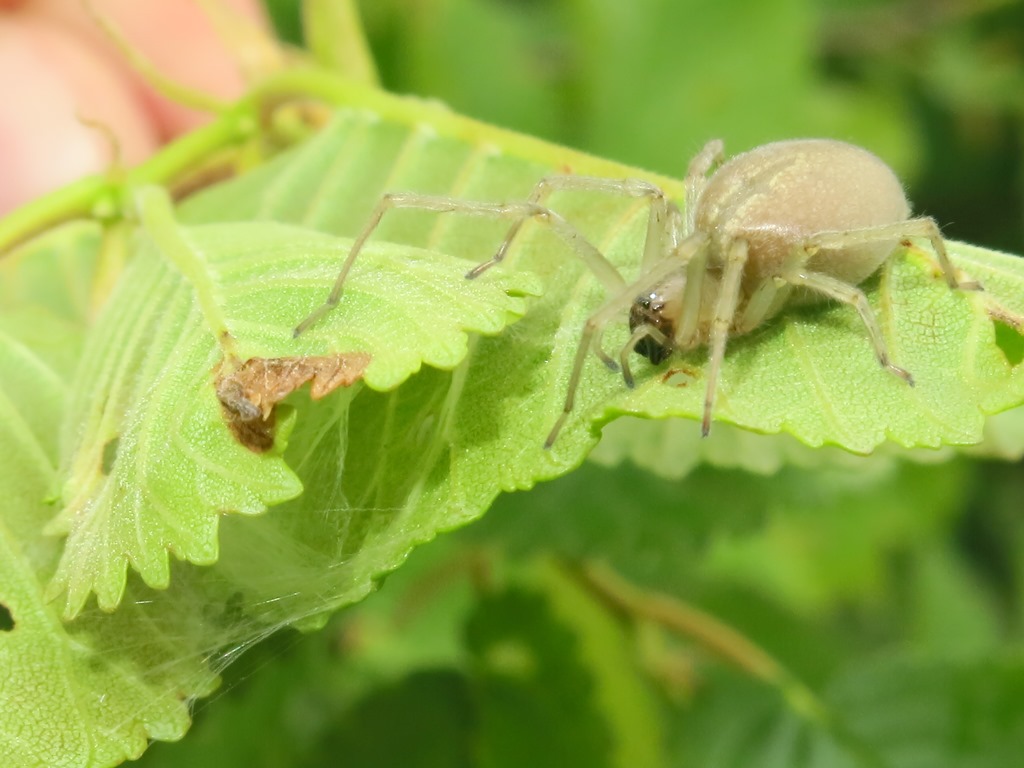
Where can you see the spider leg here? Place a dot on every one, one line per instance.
(923, 226)
(595, 325)
(763, 303)
(854, 296)
(697, 177)
(642, 331)
(664, 224)
(725, 313)
(687, 326)
(519, 211)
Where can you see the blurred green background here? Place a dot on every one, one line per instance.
(892, 588)
(936, 87)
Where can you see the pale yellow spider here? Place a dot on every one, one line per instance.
(792, 222)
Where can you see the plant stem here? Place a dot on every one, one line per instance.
(725, 643)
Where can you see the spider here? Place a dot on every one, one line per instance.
(790, 222)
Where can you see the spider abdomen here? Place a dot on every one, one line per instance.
(778, 196)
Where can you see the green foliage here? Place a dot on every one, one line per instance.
(84, 700)
(796, 604)
(548, 661)
(145, 386)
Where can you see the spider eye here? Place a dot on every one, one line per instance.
(646, 308)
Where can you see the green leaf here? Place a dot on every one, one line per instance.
(672, 448)
(156, 466)
(624, 696)
(897, 711)
(432, 710)
(64, 699)
(549, 658)
(531, 679)
(54, 273)
(56, 691)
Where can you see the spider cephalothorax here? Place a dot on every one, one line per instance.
(649, 310)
